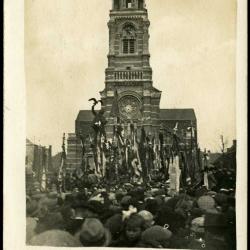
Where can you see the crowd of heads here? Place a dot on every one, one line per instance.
(132, 215)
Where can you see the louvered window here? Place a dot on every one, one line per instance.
(125, 46)
(132, 46)
(128, 46)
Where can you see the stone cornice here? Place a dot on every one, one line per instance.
(129, 16)
(128, 82)
(128, 12)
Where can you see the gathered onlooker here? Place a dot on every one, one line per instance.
(148, 218)
(132, 215)
(55, 238)
(93, 233)
(155, 237)
(131, 235)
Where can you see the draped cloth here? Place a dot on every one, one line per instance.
(174, 174)
(206, 180)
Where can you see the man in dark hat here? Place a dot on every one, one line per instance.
(93, 234)
(215, 231)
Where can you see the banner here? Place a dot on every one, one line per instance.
(174, 174)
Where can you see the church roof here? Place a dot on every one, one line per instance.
(177, 114)
(85, 115)
(165, 114)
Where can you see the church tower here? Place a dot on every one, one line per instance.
(129, 85)
(128, 77)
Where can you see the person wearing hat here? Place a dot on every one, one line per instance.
(196, 238)
(207, 204)
(126, 201)
(51, 221)
(197, 226)
(119, 194)
(115, 225)
(184, 207)
(93, 234)
(86, 209)
(54, 238)
(32, 208)
(168, 217)
(31, 224)
(148, 218)
(201, 191)
(215, 231)
(73, 220)
(51, 202)
(222, 201)
(155, 237)
(152, 205)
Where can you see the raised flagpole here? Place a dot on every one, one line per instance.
(61, 169)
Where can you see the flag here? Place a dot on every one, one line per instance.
(63, 148)
(127, 144)
(143, 136)
(158, 157)
(96, 146)
(98, 159)
(104, 163)
(44, 180)
(206, 184)
(79, 173)
(43, 170)
(143, 154)
(129, 132)
(82, 144)
(93, 145)
(174, 174)
(61, 169)
(115, 107)
(136, 160)
(132, 132)
(205, 168)
(183, 169)
(135, 165)
(119, 133)
(161, 150)
(133, 154)
(83, 152)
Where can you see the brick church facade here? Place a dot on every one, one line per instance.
(128, 79)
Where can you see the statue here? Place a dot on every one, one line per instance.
(99, 120)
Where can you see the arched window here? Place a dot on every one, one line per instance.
(128, 39)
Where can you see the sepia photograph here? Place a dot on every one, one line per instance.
(131, 124)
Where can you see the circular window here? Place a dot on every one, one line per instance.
(129, 107)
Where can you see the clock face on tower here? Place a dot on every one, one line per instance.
(129, 107)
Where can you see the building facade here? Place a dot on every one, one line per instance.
(129, 83)
(38, 161)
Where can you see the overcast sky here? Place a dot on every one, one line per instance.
(192, 46)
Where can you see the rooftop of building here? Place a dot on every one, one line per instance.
(177, 114)
(29, 142)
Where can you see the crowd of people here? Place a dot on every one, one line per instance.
(132, 215)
